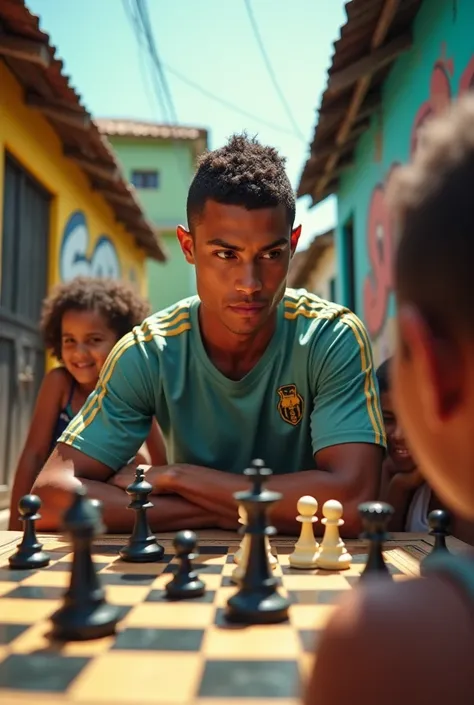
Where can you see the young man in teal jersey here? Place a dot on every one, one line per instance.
(246, 369)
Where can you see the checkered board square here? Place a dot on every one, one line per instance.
(180, 652)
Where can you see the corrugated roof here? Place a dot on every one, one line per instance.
(136, 128)
(375, 34)
(304, 262)
(29, 55)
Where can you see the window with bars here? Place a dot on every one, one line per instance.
(145, 178)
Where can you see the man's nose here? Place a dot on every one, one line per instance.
(249, 281)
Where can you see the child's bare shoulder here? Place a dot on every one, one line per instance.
(410, 641)
(57, 381)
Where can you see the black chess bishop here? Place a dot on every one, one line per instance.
(142, 546)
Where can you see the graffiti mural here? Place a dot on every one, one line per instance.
(378, 283)
(380, 238)
(75, 258)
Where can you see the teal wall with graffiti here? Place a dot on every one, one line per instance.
(438, 67)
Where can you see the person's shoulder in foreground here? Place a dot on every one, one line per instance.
(413, 641)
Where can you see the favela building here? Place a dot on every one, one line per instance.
(396, 63)
(65, 210)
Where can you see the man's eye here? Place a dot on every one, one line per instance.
(274, 254)
(225, 254)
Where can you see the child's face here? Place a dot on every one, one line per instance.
(396, 445)
(86, 343)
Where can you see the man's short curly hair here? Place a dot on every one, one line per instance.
(242, 173)
(116, 300)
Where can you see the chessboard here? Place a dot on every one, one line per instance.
(166, 652)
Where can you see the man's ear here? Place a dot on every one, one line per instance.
(295, 236)
(187, 243)
(437, 366)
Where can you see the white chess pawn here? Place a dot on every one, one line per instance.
(272, 560)
(242, 520)
(241, 555)
(306, 550)
(333, 554)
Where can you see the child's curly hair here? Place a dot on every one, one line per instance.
(116, 300)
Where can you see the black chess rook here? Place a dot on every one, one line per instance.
(257, 601)
(29, 553)
(142, 546)
(84, 614)
(375, 518)
(186, 582)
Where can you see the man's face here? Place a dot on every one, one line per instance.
(396, 445)
(241, 258)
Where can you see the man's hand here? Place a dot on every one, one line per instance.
(162, 479)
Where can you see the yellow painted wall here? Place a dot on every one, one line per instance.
(325, 270)
(28, 137)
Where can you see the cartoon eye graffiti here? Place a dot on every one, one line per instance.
(74, 260)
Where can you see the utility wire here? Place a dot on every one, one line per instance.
(227, 103)
(142, 10)
(270, 70)
(139, 34)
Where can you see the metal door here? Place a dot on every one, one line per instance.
(24, 267)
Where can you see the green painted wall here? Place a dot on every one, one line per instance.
(439, 67)
(165, 207)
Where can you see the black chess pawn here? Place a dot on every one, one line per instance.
(142, 546)
(375, 519)
(84, 614)
(257, 601)
(29, 553)
(439, 521)
(186, 582)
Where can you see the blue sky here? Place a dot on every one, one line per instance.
(210, 42)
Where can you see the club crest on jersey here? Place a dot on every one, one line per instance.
(290, 404)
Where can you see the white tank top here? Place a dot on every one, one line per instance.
(417, 518)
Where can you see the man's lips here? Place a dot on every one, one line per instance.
(247, 309)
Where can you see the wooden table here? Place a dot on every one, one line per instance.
(181, 653)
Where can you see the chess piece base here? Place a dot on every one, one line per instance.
(26, 559)
(375, 565)
(181, 590)
(304, 561)
(249, 607)
(147, 551)
(342, 561)
(93, 622)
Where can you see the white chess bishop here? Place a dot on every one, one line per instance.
(333, 554)
(305, 554)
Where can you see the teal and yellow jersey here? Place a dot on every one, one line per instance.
(314, 387)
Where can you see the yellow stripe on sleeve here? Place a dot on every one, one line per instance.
(369, 386)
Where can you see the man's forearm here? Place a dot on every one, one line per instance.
(320, 484)
(169, 513)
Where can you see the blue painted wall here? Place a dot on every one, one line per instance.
(439, 66)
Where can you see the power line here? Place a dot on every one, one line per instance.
(270, 70)
(142, 10)
(139, 34)
(228, 104)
